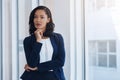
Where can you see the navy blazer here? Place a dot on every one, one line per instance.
(32, 50)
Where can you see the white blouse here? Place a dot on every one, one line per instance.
(46, 50)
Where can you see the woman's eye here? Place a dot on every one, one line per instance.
(42, 17)
(35, 16)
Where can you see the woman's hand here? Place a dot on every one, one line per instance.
(38, 34)
(28, 68)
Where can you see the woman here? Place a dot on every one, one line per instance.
(44, 49)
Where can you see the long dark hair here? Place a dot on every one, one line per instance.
(49, 27)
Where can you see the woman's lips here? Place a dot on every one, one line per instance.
(38, 25)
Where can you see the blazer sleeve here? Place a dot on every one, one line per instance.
(56, 63)
(32, 52)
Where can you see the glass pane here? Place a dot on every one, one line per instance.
(93, 60)
(102, 24)
(102, 60)
(112, 61)
(102, 46)
(112, 46)
(92, 47)
(92, 52)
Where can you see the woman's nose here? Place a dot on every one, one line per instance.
(38, 19)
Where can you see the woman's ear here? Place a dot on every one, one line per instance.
(48, 20)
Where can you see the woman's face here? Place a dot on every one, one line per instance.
(40, 19)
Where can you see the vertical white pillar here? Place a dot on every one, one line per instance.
(72, 41)
(80, 42)
(14, 40)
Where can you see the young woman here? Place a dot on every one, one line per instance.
(44, 49)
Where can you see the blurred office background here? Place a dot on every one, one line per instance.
(91, 31)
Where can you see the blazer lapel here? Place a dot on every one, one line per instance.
(54, 45)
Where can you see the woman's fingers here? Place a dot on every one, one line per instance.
(27, 68)
(33, 69)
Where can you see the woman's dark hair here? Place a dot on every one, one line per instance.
(49, 27)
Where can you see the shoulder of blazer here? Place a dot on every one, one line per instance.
(57, 37)
(29, 39)
(59, 41)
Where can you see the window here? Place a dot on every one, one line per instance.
(102, 39)
(102, 53)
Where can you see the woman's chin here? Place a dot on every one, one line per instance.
(38, 27)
